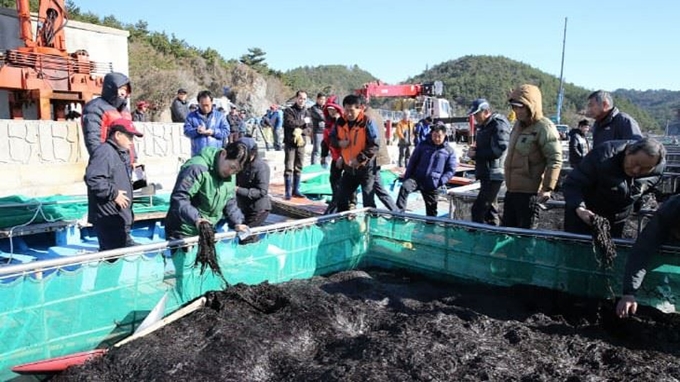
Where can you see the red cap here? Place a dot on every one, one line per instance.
(274, 107)
(142, 103)
(125, 126)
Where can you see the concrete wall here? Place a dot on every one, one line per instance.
(102, 43)
(43, 158)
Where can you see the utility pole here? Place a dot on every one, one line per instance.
(560, 93)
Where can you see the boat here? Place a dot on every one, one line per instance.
(56, 307)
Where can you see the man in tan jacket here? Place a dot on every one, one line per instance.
(533, 161)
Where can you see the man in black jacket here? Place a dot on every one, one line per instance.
(610, 124)
(664, 226)
(296, 122)
(493, 134)
(318, 124)
(609, 181)
(109, 188)
(578, 143)
(252, 189)
(179, 108)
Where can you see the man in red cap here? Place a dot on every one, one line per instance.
(139, 115)
(109, 186)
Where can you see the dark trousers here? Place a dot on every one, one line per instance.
(353, 178)
(253, 219)
(278, 138)
(430, 197)
(381, 192)
(485, 207)
(113, 233)
(317, 138)
(574, 224)
(404, 155)
(520, 210)
(293, 160)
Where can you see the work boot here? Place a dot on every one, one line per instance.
(296, 186)
(286, 179)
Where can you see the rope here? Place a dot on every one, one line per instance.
(38, 210)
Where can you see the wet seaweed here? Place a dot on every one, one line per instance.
(207, 253)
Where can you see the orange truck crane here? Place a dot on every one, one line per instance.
(428, 104)
(42, 72)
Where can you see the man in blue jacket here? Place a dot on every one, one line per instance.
(109, 188)
(206, 127)
(610, 123)
(431, 166)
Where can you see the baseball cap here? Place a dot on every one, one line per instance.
(142, 103)
(125, 126)
(478, 105)
(181, 91)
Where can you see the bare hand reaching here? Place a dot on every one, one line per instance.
(626, 306)
(121, 199)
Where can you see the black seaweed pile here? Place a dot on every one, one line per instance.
(378, 326)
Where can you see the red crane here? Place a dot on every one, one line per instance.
(42, 71)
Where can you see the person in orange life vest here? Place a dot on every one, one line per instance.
(357, 138)
(405, 134)
(99, 113)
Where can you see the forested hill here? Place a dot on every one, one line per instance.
(331, 79)
(492, 77)
(663, 105)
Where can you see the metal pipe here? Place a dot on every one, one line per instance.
(19, 269)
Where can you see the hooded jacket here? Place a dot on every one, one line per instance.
(578, 147)
(330, 125)
(200, 192)
(100, 112)
(601, 185)
(253, 187)
(534, 157)
(615, 126)
(491, 148)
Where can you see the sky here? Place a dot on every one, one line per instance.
(609, 44)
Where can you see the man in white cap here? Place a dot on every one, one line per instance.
(493, 134)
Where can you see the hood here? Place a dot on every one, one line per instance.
(575, 131)
(529, 95)
(112, 82)
(333, 105)
(208, 158)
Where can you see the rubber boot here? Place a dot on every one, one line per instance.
(286, 178)
(296, 186)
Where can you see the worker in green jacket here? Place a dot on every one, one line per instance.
(205, 191)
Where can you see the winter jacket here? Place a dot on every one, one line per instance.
(274, 118)
(214, 120)
(601, 185)
(100, 112)
(431, 166)
(253, 185)
(179, 110)
(108, 171)
(200, 192)
(578, 147)
(316, 113)
(404, 132)
(293, 118)
(382, 157)
(236, 123)
(491, 148)
(422, 132)
(616, 126)
(534, 156)
(664, 226)
(363, 139)
(139, 116)
(330, 126)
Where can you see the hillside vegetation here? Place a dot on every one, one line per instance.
(160, 63)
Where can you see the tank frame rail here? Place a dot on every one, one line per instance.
(467, 195)
(43, 265)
